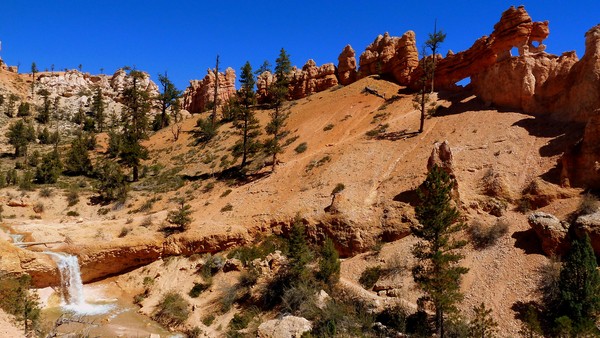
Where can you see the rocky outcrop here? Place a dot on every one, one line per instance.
(581, 162)
(515, 29)
(311, 79)
(302, 82)
(347, 66)
(39, 266)
(286, 327)
(441, 156)
(590, 225)
(396, 56)
(200, 93)
(552, 233)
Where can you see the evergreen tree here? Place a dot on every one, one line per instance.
(135, 124)
(168, 101)
(437, 272)
(19, 301)
(483, 325)
(245, 121)
(329, 265)
(181, 217)
(265, 67)
(213, 115)
(579, 285)
(10, 105)
(111, 185)
(49, 170)
(19, 135)
(422, 100)
(98, 110)
(298, 251)
(34, 70)
(24, 109)
(278, 93)
(77, 161)
(43, 115)
(433, 44)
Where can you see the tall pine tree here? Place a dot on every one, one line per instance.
(168, 101)
(579, 287)
(278, 93)
(244, 119)
(436, 271)
(135, 123)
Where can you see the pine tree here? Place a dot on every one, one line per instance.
(437, 272)
(579, 285)
(49, 170)
(329, 265)
(77, 161)
(168, 101)
(135, 124)
(181, 217)
(112, 185)
(213, 115)
(278, 93)
(10, 105)
(483, 325)
(298, 252)
(19, 135)
(34, 70)
(98, 110)
(244, 119)
(43, 115)
(433, 43)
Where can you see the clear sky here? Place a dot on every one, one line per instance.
(183, 37)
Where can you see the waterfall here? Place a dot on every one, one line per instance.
(71, 287)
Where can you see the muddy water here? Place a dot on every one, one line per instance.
(110, 316)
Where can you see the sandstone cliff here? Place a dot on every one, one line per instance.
(395, 56)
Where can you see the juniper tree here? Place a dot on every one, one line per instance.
(77, 161)
(329, 264)
(112, 184)
(10, 105)
(278, 93)
(49, 170)
(436, 271)
(19, 135)
(579, 287)
(483, 325)
(34, 70)
(168, 101)
(244, 119)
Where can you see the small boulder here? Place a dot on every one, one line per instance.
(286, 327)
(232, 264)
(551, 232)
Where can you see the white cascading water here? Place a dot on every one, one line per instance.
(71, 287)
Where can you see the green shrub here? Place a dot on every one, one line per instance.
(208, 320)
(46, 192)
(225, 193)
(198, 288)
(195, 332)
(247, 254)
(39, 207)
(301, 148)
(124, 232)
(227, 207)
(72, 213)
(329, 265)
(370, 276)
(212, 265)
(328, 127)
(18, 301)
(589, 204)
(172, 310)
(26, 181)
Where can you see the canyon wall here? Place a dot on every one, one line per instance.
(199, 95)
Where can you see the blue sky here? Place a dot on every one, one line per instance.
(183, 37)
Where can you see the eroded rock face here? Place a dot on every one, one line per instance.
(311, 79)
(200, 93)
(551, 231)
(302, 82)
(396, 56)
(441, 155)
(581, 162)
(39, 266)
(286, 327)
(347, 66)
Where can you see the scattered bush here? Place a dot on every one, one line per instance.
(484, 236)
(72, 213)
(172, 310)
(247, 254)
(212, 265)
(338, 188)
(180, 217)
(46, 192)
(208, 320)
(328, 127)
(124, 232)
(227, 207)
(38, 208)
(589, 204)
(18, 301)
(146, 222)
(225, 193)
(241, 320)
(370, 276)
(195, 332)
(198, 288)
(301, 148)
(377, 131)
(208, 187)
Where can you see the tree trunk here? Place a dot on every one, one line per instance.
(245, 144)
(439, 322)
(213, 116)
(135, 171)
(422, 110)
